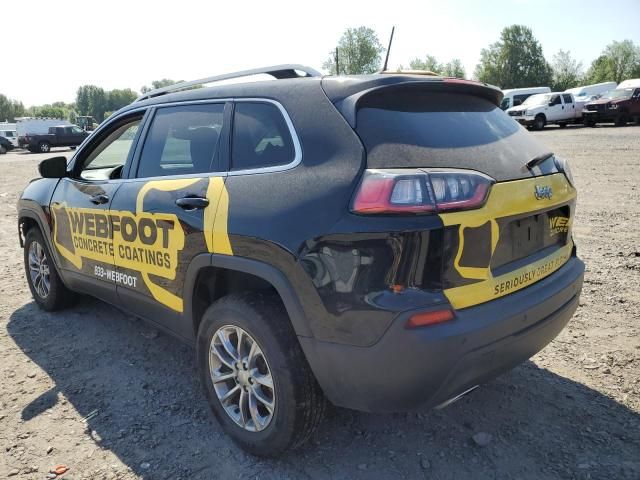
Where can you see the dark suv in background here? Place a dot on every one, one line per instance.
(388, 242)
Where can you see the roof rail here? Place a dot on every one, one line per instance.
(276, 71)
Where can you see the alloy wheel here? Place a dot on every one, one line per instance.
(242, 378)
(39, 270)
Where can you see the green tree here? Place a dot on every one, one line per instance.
(567, 72)
(454, 69)
(359, 52)
(120, 98)
(618, 61)
(165, 82)
(49, 111)
(516, 60)
(430, 63)
(10, 109)
(82, 100)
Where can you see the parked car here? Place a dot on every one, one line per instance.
(5, 145)
(591, 92)
(618, 106)
(61, 136)
(547, 108)
(8, 131)
(385, 241)
(515, 96)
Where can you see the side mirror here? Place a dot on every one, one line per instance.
(55, 167)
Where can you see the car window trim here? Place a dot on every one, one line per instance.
(225, 164)
(297, 147)
(223, 148)
(106, 127)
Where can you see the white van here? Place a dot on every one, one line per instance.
(515, 96)
(37, 126)
(8, 131)
(631, 83)
(591, 92)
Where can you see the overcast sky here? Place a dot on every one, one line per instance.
(52, 47)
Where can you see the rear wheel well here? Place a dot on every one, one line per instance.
(213, 283)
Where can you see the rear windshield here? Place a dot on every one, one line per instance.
(434, 129)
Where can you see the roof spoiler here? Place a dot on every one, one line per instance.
(277, 71)
(348, 106)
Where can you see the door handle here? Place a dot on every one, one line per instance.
(99, 199)
(192, 203)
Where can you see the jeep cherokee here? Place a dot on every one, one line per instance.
(387, 242)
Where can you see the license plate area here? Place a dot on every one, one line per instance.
(524, 238)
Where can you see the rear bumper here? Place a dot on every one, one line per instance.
(419, 368)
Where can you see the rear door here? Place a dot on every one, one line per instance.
(82, 229)
(569, 106)
(166, 209)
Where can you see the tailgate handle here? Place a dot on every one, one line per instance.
(191, 203)
(99, 199)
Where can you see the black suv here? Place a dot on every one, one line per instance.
(387, 242)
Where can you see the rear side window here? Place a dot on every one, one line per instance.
(182, 140)
(567, 98)
(261, 137)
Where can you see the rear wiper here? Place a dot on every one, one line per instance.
(538, 160)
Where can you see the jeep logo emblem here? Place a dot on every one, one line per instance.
(543, 191)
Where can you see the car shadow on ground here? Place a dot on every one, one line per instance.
(141, 393)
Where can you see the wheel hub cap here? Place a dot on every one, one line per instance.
(241, 378)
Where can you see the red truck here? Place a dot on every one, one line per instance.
(619, 106)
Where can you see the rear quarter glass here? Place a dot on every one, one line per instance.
(415, 128)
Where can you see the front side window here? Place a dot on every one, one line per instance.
(109, 156)
(75, 129)
(261, 137)
(555, 100)
(182, 140)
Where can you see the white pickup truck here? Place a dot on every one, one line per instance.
(545, 108)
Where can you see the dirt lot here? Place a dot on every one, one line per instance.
(112, 398)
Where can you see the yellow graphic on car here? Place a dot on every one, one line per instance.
(146, 242)
(507, 199)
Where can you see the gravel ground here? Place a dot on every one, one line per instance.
(112, 398)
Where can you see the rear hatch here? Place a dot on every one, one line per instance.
(521, 231)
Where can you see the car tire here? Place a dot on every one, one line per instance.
(2, 150)
(296, 401)
(621, 120)
(587, 122)
(44, 147)
(45, 283)
(562, 125)
(539, 122)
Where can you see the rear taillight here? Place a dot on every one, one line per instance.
(420, 191)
